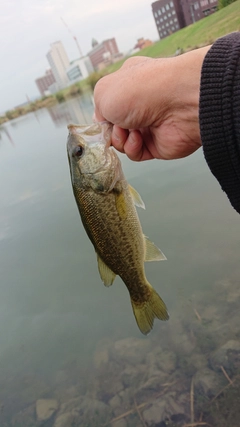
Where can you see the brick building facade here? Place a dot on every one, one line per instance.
(171, 15)
(103, 52)
(44, 82)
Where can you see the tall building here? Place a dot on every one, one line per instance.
(171, 15)
(168, 16)
(103, 53)
(79, 69)
(45, 81)
(59, 62)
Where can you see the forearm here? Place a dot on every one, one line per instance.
(220, 114)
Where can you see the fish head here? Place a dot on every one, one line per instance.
(90, 157)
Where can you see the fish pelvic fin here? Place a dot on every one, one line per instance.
(136, 197)
(152, 252)
(145, 312)
(106, 274)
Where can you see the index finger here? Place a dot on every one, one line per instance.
(98, 97)
(97, 116)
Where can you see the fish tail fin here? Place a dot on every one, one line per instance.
(146, 311)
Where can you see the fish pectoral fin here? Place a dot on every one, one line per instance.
(136, 197)
(106, 274)
(153, 253)
(146, 311)
(121, 205)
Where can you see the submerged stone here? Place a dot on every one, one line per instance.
(207, 382)
(65, 420)
(131, 350)
(227, 356)
(45, 408)
(165, 408)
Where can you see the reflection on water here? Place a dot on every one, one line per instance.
(4, 130)
(77, 110)
(70, 351)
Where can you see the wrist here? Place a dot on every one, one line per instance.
(187, 89)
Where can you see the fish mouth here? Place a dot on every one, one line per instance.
(93, 129)
(99, 132)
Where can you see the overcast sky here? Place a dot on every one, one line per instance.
(28, 27)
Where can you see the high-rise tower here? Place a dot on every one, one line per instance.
(59, 62)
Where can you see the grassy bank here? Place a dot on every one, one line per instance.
(203, 32)
(46, 101)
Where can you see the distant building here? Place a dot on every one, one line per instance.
(168, 16)
(59, 62)
(195, 10)
(79, 69)
(142, 43)
(103, 53)
(53, 88)
(44, 82)
(171, 15)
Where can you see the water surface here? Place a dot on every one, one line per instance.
(54, 309)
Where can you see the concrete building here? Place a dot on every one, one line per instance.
(44, 82)
(171, 15)
(79, 69)
(59, 62)
(103, 53)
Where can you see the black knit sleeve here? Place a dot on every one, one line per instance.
(220, 114)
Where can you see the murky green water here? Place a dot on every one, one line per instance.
(54, 310)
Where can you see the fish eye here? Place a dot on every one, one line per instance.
(78, 151)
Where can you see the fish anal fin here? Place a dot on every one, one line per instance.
(153, 253)
(106, 274)
(136, 197)
(145, 312)
(121, 205)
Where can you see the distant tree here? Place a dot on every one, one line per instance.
(32, 106)
(10, 114)
(60, 97)
(3, 119)
(224, 3)
(94, 77)
(20, 111)
(75, 90)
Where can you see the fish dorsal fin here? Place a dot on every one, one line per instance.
(153, 253)
(121, 205)
(106, 274)
(136, 197)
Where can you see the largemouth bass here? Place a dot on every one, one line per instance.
(106, 203)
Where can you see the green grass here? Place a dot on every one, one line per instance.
(202, 33)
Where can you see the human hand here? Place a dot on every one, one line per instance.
(153, 105)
